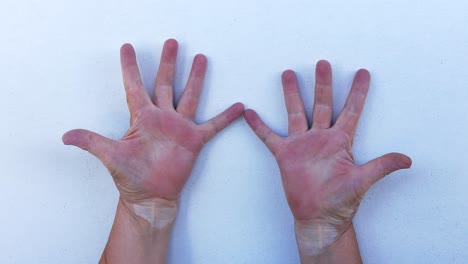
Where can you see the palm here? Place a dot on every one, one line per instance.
(155, 157)
(323, 185)
(162, 159)
(316, 169)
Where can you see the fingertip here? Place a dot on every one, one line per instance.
(251, 118)
(249, 114)
(232, 113)
(400, 161)
(237, 110)
(239, 106)
(323, 72)
(171, 41)
(127, 55)
(199, 64)
(71, 137)
(362, 75)
(410, 162)
(171, 44)
(406, 161)
(323, 66)
(65, 138)
(200, 58)
(288, 75)
(127, 48)
(364, 71)
(169, 52)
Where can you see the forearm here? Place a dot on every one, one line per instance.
(140, 233)
(343, 250)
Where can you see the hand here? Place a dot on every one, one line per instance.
(154, 159)
(323, 185)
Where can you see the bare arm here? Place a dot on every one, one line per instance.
(323, 185)
(154, 159)
(141, 237)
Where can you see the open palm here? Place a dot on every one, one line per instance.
(323, 185)
(155, 157)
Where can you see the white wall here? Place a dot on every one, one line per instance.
(60, 70)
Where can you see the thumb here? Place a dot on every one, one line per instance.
(378, 168)
(89, 141)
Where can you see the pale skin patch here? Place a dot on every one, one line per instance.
(316, 239)
(159, 213)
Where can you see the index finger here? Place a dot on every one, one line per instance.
(137, 97)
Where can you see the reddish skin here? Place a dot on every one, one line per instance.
(323, 185)
(154, 159)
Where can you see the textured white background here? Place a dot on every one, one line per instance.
(60, 70)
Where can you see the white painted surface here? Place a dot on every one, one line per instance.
(60, 70)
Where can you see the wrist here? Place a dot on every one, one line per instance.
(315, 238)
(321, 243)
(157, 213)
(141, 231)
